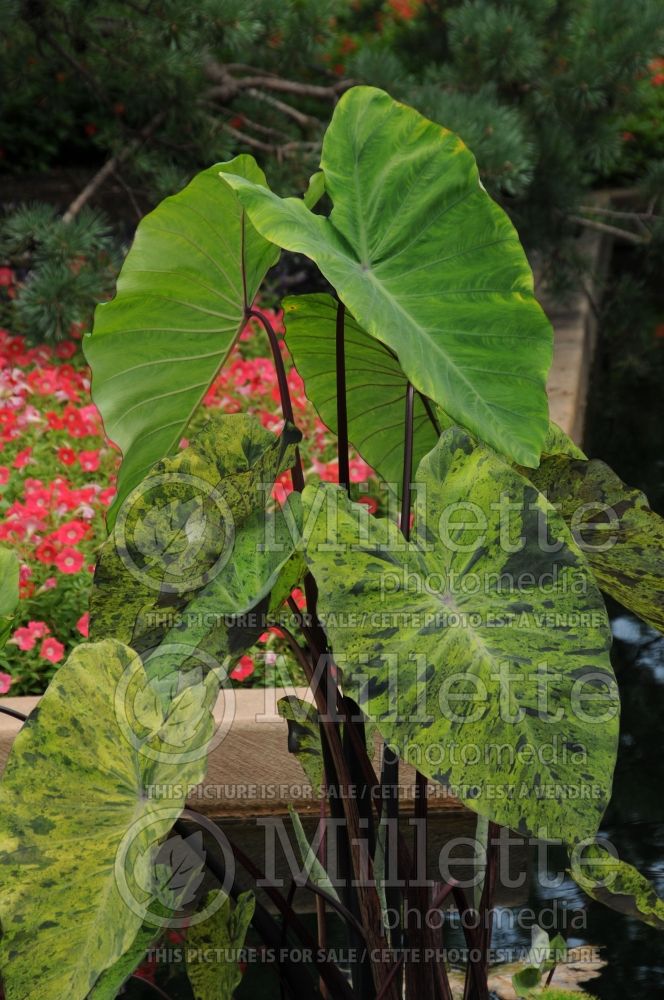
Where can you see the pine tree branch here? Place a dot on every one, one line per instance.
(303, 120)
(109, 168)
(603, 227)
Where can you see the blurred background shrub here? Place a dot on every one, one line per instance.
(132, 97)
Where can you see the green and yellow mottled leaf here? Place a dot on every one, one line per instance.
(262, 550)
(375, 385)
(622, 538)
(476, 647)
(220, 938)
(164, 574)
(304, 737)
(195, 264)
(427, 264)
(617, 885)
(79, 824)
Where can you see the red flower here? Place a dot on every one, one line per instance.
(6, 276)
(4, 475)
(83, 624)
(66, 455)
(89, 460)
(46, 552)
(51, 650)
(106, 496)
(299, 598)
(369, 502)
(69, 560)
(22, 459)
(66, 349)
(71, 532)
(244, 668)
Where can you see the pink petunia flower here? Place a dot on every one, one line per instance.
(6, 681)
(52, 650)
(69, 560)
(89, 460)
(71, 532)
(83, 624)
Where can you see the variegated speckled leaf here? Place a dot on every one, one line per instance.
(375, 385)
(262, 549)
(176, 533)
(221, 936)
(427, 264)
(304, 737)
(80, 811)
(622, 538)
(420, 629)
(617, 884)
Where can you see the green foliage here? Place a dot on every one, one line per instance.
(9, 572)
(112, 74)
(437, 605)
(221, 935)
(542, 957)
(69, 267)
(304, 737)
(393, 196)
(478, 646)
(541, 92)
(374, 421)
(622, 538)
(161, 582)
(65, 917)
(207, 265)
(606, 878)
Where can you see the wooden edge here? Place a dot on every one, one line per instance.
(250, 771)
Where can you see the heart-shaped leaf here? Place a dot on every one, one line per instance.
(80, 819)
(375, 385)
(481, 649)
(427, 264)
(196, 263)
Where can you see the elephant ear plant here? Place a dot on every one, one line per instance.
(466, 626)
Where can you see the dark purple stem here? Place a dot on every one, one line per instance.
(12, 711)
(342, 411)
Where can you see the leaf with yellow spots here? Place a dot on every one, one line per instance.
(480, 653)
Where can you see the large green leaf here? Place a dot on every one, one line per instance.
(474, 648)
(622, 538)
(427, 263)
(213, 947)
(165, 576)
(195, 265)
(617, 884)
(81, 813)
(375, 385)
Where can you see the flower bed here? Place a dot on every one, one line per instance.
(56, 483)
